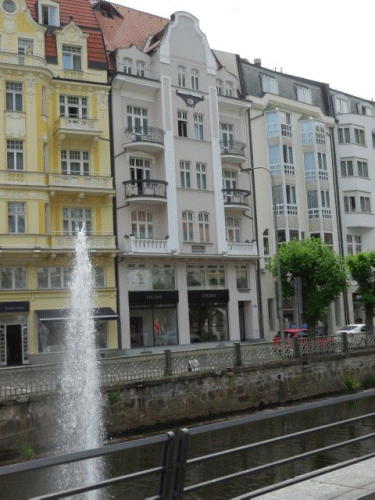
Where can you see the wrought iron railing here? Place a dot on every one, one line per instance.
(236, 197)
(146, 188)
(39, 379)
(232, 148)
(144, 134)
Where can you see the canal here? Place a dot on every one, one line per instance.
(28, 485)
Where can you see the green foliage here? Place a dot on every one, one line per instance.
(321, 270)
(351, 383)
(361, 268)
(368, 381)
(114, 396)
(27, 452)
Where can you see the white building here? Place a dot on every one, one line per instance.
(186, 271)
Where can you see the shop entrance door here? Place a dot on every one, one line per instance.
(14, 344)
(241, 314)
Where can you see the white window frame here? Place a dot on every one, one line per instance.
(56, 277)
(74, 218)
(75, 162)
(14, 96)
(359, 136)
(198, 127)
(16, 217)
(219, 86)
(362, 168)
(269, 84)
(185, 178)
(140, 68)
(226, 133)
(181, 71)
(347, 167)
(142, 224)
(233, 229)
(194, 79)
(73, 106)
(72, 57)
(128, 65)
(304, 94)
(201, 176)
(50, 12)
(342, 105)
(15, 155)
(204, 227)
(344, 135)
(182, 123)
(25, 46)
(354, 243)
(137, 119)
(229, 179)
(15, 274)
(229, 89)
(188, 225)
(365, 204)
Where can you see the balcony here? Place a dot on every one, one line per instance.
(236, 199)
(286, 209)
(24, 242)
(100, 242)
(249, 248)
(74, 127)
(140, 245)
(64, 182)
(22, 178)
(233, 152)
(148, 139)
(146, 190)
(22, 59)
(286, 168)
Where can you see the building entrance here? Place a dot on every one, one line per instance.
(13, 337)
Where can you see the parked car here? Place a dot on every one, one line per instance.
(351, 329)
(356, 334)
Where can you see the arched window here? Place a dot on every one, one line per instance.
(204, 226)
(128, 64)
(219, 86)
(233, 229)
(140, 68)
(181, 76)
(142, 226)
(187, 226)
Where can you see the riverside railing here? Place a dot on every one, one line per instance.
(175, 461)
(32, 379)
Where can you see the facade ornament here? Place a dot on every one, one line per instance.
(190, 100)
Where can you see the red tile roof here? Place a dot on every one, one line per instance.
(133, 28)
(84, 17)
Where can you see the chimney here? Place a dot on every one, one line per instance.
(258, 62)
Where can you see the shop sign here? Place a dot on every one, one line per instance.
(14, 307)
(150, 298)
(208, 296)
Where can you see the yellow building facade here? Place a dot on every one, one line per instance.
(55, 176)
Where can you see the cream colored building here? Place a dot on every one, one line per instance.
(54, 174)
(186, 268)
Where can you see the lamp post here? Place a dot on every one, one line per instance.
(278, 281)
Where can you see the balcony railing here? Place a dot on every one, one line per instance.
(146, 188)
(100, 241)
(144, 134)
(247, 248)
(232, 148)
(286, 209)
(59, 180)
(142, 245)
(236, 197)
(287, 168)
(22, 59)
(275, 130)
(73, 124)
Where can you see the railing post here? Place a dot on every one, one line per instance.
(237, 346)
(180, 464)
(167, 464)
(168, 362)
(345, 342)
(297, 349)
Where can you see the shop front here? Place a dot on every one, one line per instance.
(51, 324)
(153, 318)
(208, 315)
(14, 333)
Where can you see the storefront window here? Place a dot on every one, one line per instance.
(208, 276)
(208, 322)
(153, 325)
(151, 277)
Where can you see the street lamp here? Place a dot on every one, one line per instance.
(278, 281)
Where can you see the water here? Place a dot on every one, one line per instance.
(80, 419)
(24, 486)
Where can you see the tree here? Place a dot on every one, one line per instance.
(361, 267)
(322, 273)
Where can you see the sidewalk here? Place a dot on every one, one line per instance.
(350, 483)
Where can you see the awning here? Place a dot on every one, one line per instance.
(105, 313)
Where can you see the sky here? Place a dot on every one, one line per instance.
(324, 40)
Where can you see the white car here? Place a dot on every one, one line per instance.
(356, 334)
(351, 329)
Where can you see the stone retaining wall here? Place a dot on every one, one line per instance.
(172, 400)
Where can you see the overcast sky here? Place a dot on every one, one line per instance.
(326, 40)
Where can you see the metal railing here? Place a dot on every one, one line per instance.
(236, 197)
(175, 460)
(146, 188)
(41, 379)
(232, 148)
(145, 134)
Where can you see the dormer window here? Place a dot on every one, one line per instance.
(304, 94)
(342, 105)
(269, 84)
(128, 63)
(229, 89)
(219, 86)
(49, 13)
(71, 57)
(140, 68)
